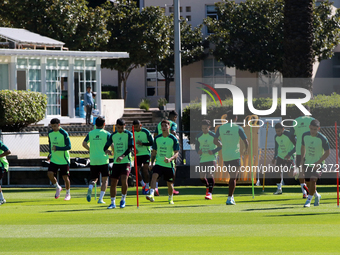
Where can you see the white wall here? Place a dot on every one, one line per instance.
(112, 109)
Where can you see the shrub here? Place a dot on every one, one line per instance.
(19, 108)
(144, 104)
(162, 101)
(109, 95)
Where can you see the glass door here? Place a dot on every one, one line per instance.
(79, 92)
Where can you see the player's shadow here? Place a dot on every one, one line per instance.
(301, 214)
(260, 201)
(265, 209)
(25, 190)
(76, 210)
(180, 206)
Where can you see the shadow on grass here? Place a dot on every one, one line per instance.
(265, 209)
(180, 206)
(75, 210)
(302, 214)
(24, 190)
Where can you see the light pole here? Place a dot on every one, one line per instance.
(178, 71)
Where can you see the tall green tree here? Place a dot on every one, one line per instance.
(143, 34)
(250, 35)
(69, 21)
(192, 50)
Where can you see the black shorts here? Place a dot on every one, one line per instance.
(99, 169)
(120, 169)
(298, 160)
(312, 172)
(64, 169)
(207, 164)
(168, 172)
(234, 162)
(143, 160)
(2, 172)
(282, 162)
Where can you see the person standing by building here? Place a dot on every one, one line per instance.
(88, 104)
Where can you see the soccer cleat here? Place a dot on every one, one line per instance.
(171, 202)
(278, 192)
(175, 192)
(111, 206)
(100, 201)
(57, 193)
(208, 196)
(317, 200)
(151, 198)
(207, 192)
(67, 197)
(88, 196)
(2, 201)
(304, 196)
(145, 191)
(122, 203)
(230, 202)
(156, 192)
(306, 189)
(307, 204)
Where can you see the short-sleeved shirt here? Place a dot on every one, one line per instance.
(145, 137)
(315, 146)
(121, 142)
(165, 147)
(284, 145)
(229, 135)
(3, 160)
(205, 142)
(98, 139)
(62, 142)
(173, 127)
(301, 127)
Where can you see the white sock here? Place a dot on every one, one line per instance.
(230, 197)
(1, 196)
(170, 197)
(279, 186)
(310, 197)
(147, 185)
(142, 183)
(316, 194)
(113, 200)
(156, 185)
(102, 193)
(91, 186)
(56, 185)
(123, 197)
(68, 192)
(152, 192)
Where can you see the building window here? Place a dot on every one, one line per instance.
(155, 83)
(4, 77)
(267, 81)
(188, 8)
(216, 72)
(212, 13)
(171, 9)
(180, 9)
(188, 18)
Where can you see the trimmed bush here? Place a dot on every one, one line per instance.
(144, 104)
(109, 95)
(20, 108)
(324, 108)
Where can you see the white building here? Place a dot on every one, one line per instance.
(37, 63)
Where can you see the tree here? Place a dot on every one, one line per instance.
(250, 35)
(69, 21)
(192, 50)
(142, 34)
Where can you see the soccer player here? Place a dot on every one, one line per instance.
(165, 151)
(284, 151)
(314, 151)
(173, 128)
(99, 140)
(144, 140)
(4, 151)
(59, 157)
(229, 134)
(302, 126)
(207, 150)
(123, 144)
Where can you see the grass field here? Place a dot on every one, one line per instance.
(33, 222)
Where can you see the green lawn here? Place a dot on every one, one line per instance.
(33, 222)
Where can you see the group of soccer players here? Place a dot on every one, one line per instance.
(310, 146)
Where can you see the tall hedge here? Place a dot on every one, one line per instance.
(324, 108)
(18, 109)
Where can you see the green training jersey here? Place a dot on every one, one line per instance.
(121, 143)
(230, 136)
(173, 127)
(3, 160)
(62, 142)
(98, 139)
(284, 145)
(165, 147)
(315, 147)
(302, 126)
(146, 138)
(205, 142)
